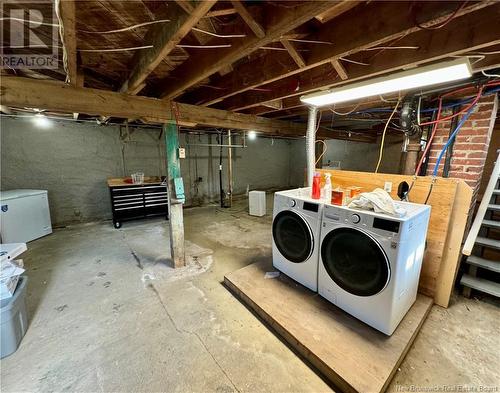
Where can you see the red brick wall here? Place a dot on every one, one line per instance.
(471, 145)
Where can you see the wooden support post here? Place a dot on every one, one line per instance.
(174, 205)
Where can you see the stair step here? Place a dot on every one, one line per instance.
(491, 224)
(494, 207)
(481, 284)
(486, 242)
(494, 266)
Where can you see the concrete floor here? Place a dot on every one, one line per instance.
(107, 313)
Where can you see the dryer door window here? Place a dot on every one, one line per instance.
(292, 236)
(355, 261)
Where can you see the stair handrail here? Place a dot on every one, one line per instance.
(483, 207)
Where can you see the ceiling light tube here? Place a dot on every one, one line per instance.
(405, 80)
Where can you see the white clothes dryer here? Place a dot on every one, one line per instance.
(296, 231)
(369, 263)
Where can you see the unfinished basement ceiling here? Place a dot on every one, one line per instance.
(258, 57)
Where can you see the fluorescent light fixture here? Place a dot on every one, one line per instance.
(41, 120)
(252, 135)
(405, 80)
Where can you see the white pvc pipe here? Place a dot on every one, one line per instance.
(310, 144)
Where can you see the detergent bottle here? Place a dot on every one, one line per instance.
(316, 187)
(327, 188)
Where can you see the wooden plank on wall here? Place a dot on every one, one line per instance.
(440, 262)
(452, 251)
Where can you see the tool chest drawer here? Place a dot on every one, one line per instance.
(138, 201)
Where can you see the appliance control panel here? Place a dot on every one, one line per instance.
(355, 218)
(347, 216)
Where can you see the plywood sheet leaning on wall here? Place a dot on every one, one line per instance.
(450, 200)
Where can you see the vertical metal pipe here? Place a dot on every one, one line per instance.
(310, 142)
(230, 168)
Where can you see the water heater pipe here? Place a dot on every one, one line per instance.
(310, 144)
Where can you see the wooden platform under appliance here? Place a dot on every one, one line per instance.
(354, 356)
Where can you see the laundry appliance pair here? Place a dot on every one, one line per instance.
(366, 263)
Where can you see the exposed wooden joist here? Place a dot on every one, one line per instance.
(68, 15)
(60, 97)
(249, 19)
(276, 104)
(80, 80)
(164, 37)
(468, 33)
(294, 54)
(339, 68)
(280, 21)
(223, 12)
(336, 10)
(382, 29)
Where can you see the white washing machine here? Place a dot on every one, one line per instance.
(369, 263)
(296, 231)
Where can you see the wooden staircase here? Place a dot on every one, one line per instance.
(487, 223)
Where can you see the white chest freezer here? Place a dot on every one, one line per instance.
(24, 215)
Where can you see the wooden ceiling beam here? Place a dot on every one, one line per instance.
(68, 16)
(340, 69)
(249, 19)
(336, 10)
(294, 53)
(280, 20)
(388, 21)
(164, 37)
(61, 97)
(469, 33)
(222, 12)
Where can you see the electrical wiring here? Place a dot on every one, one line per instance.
(471, 105)
(391, 47)
(389, 101)
(430, 191)
(57, 8)
(490, 75)
(204, 46)
(383, 136)
(116, 49)
(219, 35)
(346, 113)
(323, 152)
(451, 138)
(29, 21)
(123, 29)
(281, 49)
(443, 23)
(353, 61)
(318, 122)
(310, 41)
(429, 142)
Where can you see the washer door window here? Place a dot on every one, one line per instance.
(355, 261)
(292, 236)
